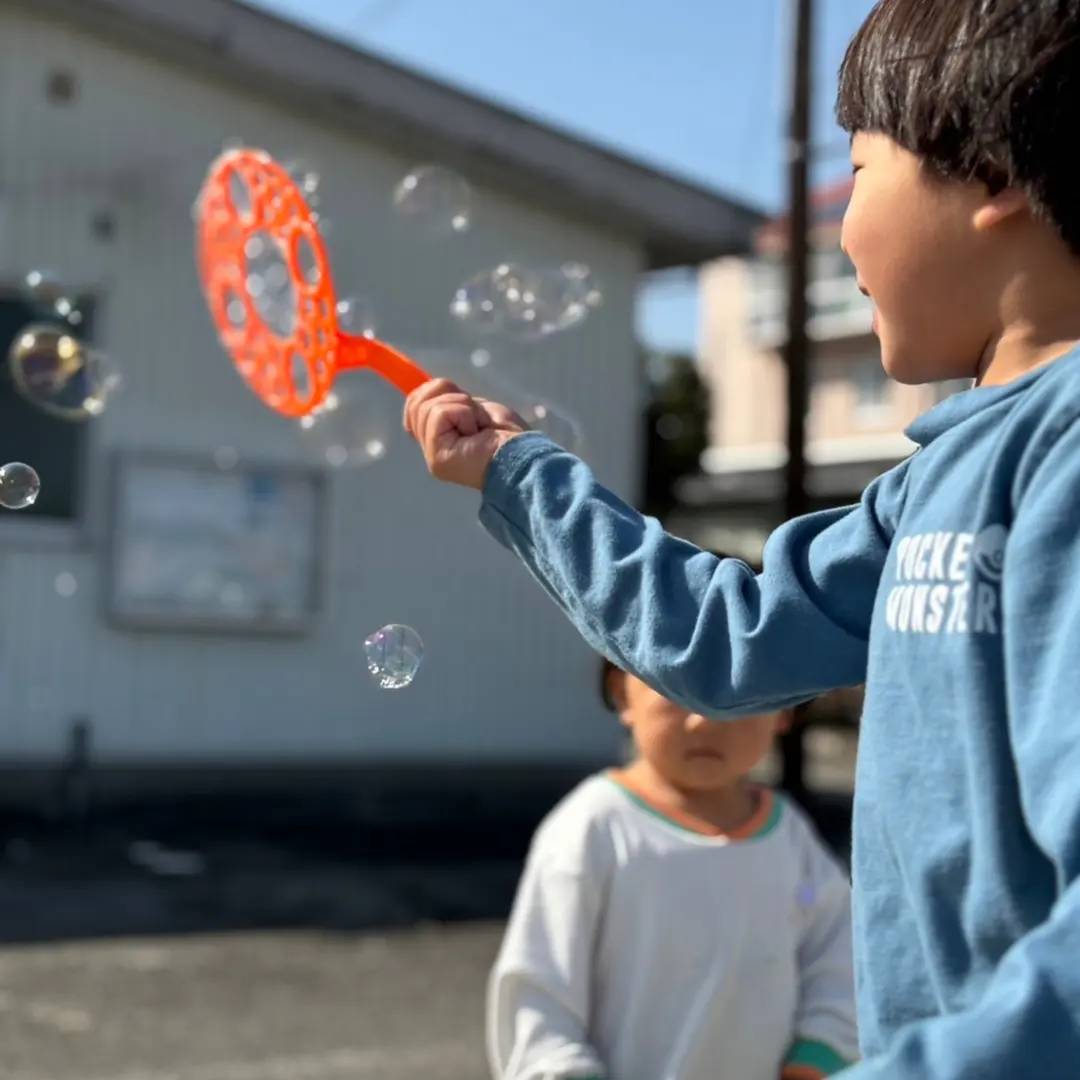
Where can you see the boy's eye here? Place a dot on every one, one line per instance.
(856, 169)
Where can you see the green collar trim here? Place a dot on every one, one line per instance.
(768, 826)
(816, 1055)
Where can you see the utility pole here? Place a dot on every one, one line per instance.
(797, 349)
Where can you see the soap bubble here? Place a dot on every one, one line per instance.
(226, 458)
(46, 290)
(556, 423)
(346, 431)
(43, 285)
(64, 306)
(478, 372)
(541, 413)
(436, 198)
(269, 284)
(527, 303)
(58, 373)
(66, 584)
(307, 179)
(356, 315)
(394, 655)
(19, 486)
(670, 427)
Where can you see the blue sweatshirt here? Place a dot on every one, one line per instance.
(953, 591)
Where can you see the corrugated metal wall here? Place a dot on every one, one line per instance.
(504, 677)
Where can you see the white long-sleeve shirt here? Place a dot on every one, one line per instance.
(639, 949)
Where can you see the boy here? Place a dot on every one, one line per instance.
(952, 589)
(675, 921)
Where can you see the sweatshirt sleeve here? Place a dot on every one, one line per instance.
(540, 989)
(708, 633)
(1025, 1022)
(826, 1040)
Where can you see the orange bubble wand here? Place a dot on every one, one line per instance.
(247, 193)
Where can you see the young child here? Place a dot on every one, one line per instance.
(675, 921)
(952, 589)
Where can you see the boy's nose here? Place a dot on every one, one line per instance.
(694, 721)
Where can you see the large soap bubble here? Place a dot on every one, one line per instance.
(347, 431)
(525, 303)
(435, 198)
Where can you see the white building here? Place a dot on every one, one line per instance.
(110, 111)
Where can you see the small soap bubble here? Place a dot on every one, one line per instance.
(580, 285)
(435, 198)
(356, 315)
(66, 584)
(43, 285)
(19, 486)
(307, 179)
(670, 427)
(226, 458)
(394, 655)
(58, 373)
(807, 895)
(346, 432)
(526, 303)
(309, 183)
(556, 423)
(234, 595)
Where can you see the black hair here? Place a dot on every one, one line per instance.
(985, 90)
(607, 669)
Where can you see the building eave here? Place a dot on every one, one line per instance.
(675, 222)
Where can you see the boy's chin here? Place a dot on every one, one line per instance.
(913, 363)
(903, 367)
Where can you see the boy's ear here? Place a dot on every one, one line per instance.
(1006, 204)
(615, 688)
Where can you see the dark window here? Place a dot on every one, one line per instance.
(54, 447)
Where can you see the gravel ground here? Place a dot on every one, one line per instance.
(311, 1005)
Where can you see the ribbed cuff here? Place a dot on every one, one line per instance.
(511, 459)
(811, 1060)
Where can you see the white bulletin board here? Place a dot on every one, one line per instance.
(197, 547)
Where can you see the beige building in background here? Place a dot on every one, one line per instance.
(857, 415)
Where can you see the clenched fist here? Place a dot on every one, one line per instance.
(458, 433)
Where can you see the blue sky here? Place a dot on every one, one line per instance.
(695, 87)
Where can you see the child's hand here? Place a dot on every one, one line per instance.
(458, 434)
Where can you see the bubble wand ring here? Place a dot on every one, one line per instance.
(247, 193)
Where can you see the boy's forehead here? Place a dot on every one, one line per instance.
(874, 142)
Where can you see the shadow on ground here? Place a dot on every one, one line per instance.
(221, 864)
(162, 869)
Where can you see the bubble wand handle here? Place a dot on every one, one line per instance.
(396, 368)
